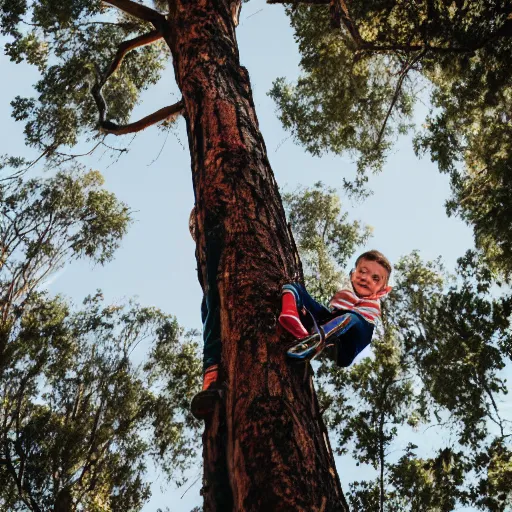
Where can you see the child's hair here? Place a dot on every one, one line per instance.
(378, 257)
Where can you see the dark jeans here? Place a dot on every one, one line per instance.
(348, 344)
(210, 310)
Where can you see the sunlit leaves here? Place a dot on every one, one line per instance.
(80, 416)
(73, 49)
(460, 52)
(341, 101)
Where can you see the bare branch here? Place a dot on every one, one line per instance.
(398, 89)
(139, 11)
(129, 45)
(167, 113)
(164, 114)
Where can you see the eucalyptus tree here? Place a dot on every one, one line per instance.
(79, 418)
(44, 223)
(366, 64)
(460, 343)
(325, 238)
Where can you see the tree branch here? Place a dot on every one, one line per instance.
(139, 11)
(129, 45)
(340, 13)
(398, 89)
(167, 113)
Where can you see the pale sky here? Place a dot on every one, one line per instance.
(156, 261)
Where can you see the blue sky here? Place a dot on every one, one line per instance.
(156, 260)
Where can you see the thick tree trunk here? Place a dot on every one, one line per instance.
(266, 448)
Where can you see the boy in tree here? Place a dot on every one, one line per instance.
(349, 321)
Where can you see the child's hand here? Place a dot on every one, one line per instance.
(382, 292)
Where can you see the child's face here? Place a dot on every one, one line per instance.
(368, 278)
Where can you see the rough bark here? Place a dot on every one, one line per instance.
(266, 448)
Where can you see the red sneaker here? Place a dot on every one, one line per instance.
(203, 404)
(289, 317)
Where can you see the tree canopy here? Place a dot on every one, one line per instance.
(366, 64)
(443, 342)
(436, 365)
(83, 409)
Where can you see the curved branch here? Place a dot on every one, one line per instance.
(129, 45)
(164, 114)
(139, 11)
(340, 13)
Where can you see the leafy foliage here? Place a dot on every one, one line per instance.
(87, 396)
(359, 86)
(72, 47)
(437, 364)
(44, 223)
(79, 418)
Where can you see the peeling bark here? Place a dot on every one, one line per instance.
(266, 447)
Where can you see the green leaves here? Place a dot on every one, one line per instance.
(360, 84)
(45, 221)
(436, 362)
(324, 237)
(341, 101)
(88, 395)
(73, 50)
(80, 417)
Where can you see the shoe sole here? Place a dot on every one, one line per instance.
(203, 404)
(308, 353)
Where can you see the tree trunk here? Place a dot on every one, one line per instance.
(266, 448)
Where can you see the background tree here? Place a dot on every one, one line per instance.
(82, 411)
(43, 224)
(365, 65)
(81, 420)
(436, 363)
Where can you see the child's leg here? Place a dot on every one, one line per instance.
(294, 299)
(290, 316)
(319, 311)
(348, 331)
(204, 402)
(210, 314)
(308, 348)
(350, 342)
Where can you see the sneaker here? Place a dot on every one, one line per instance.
(289, 317)
(203, 404)
(307, 348)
